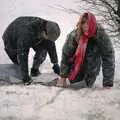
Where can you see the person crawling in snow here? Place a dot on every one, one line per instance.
(31, 32)
(86, 49)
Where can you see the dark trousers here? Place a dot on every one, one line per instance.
(12, 54)
(39, 58)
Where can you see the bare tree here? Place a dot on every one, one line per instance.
(109, 14)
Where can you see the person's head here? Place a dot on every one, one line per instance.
(82, 25)
(86, 24)
(52, 31)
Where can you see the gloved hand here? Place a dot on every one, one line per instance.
(56, 68)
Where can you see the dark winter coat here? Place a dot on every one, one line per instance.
(99, 52)
(25, 33)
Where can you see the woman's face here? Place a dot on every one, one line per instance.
(85, 26)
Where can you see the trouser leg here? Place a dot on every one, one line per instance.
(12, 55)
(39, 58)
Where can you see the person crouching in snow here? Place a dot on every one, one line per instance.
(31, 32)
(87, 48)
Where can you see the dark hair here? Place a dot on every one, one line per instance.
(84, 18)
(81, 21)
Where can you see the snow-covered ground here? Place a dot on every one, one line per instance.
(36, 102)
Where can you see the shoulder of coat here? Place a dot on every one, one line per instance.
(100, 30)
(100, 27)
(72, 34)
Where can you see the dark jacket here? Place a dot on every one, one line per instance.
(21, 35)
(99, 51)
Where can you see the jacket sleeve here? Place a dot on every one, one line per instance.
(108, 58)
(51, 49)
(67, 55)
(22, 55)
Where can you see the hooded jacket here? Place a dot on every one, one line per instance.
(99, 52)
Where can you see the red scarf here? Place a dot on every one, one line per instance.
(82, 45)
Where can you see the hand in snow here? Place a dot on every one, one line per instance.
(62, 82)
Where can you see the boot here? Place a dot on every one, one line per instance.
(27, 81)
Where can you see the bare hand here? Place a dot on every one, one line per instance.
(63, 82)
